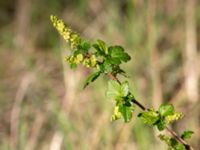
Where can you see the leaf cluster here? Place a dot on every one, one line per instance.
(161, 118)
(122, 96)
(173, 143)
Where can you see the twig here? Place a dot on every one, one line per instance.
(187, 146)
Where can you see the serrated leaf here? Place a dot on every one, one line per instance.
(166, 110)
(117, 91)
(91, 78)
(124, 89)
(113, 89)
(187, 134)
(150, 117)
(117, 55)
(106, 67)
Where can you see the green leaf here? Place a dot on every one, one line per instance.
(86, 46)
(117, 91)
(91, 78)
(179, 147)
(73, 65)
(115, 61)
(96, 46)
(172, 143)
(106, 67)
(166, 110)
(100, 47)
(126, 112)
(165, 138)
(124, 90)
(161, 125)
(150, 117)
(113, 89)
(82, 48)
(117, 55)
(187, 134)
(175, 145)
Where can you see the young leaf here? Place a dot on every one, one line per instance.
(106, 67)
(118, 55)
(175, 145)
(91, 78)
(124, 89)
(179, 147)
(113, 89)
(73, 65)
(85, 46)
(126, 112)
(100, 47)
(150, 117)
(117, 91)
(187, 134)
(165, 138)
(166, 110)
(161, 125)
(172, 143)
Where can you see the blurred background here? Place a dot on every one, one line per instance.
(42, 104)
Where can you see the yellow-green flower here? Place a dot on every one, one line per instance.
(174, 117)
(116, 114)
(72, 37)
(93, 60)
(86, 62)
(80, 57)
(70, 59)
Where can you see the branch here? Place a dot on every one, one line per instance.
(144, 108)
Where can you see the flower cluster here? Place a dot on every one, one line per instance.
(176, 116)
(87, 61)
(71, 37)
(116, 114)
